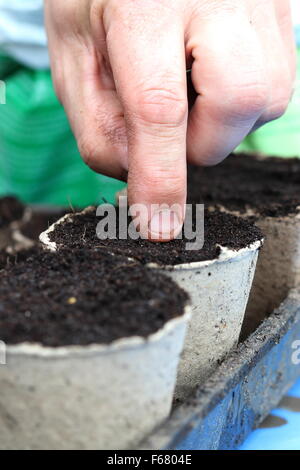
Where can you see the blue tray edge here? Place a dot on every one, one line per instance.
(242, 391)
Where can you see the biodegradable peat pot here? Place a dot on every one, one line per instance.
(11, 210)
(218, 279)
(20, 227)
(219, 291)
(267, 190)
(41, 218)
(93, 348)
(36, 219)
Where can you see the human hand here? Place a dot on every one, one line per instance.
(119, 69)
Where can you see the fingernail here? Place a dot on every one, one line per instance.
(164, 225)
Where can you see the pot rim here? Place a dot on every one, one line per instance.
(226, 253)
(44, 236)
(252, 212)
(126, 343)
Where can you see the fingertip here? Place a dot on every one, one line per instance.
(165, 225)
(157, 216)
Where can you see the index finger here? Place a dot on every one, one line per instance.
(148, 63)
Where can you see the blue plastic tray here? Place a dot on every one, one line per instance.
(242, 391)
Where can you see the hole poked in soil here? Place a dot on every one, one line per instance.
(84, 297)
(219, 229)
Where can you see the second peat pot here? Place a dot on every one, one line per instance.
(266, 190)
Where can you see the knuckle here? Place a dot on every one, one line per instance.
(281, 100)
(243, 96)
(161, 106)
(282, 92)
(88, 151)
(205, 160)
(247, 100)
(278, 108)
(102, 157)
(214, 160)
(197, 157)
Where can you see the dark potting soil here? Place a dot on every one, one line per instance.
(11, 209)
(242, 181)
(220, 229)
(80, 297)
(8, 260)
